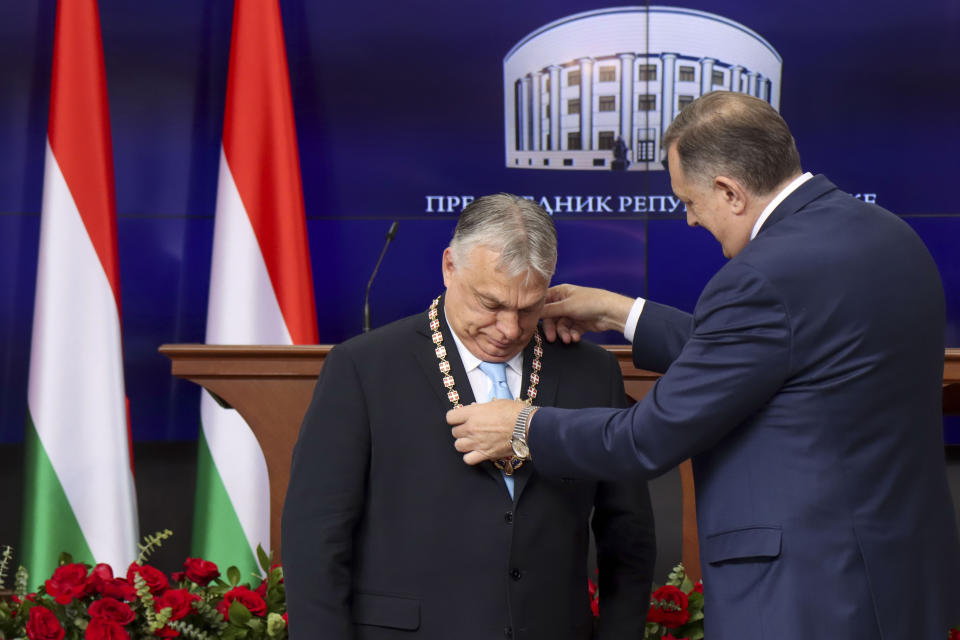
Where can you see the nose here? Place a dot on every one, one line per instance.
(508, 323)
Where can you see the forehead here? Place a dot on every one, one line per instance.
(684, 186)
(481, 272)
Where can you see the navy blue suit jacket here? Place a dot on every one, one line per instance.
(806, 387)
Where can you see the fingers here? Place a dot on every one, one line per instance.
(482, 431)
(550, 329)
(559, 292)
(458, 416)
(558, 320)
(557, 297)
(568, 330)
(474, 458)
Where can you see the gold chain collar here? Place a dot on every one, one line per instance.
(507, 465)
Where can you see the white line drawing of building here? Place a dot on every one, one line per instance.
(574, 88)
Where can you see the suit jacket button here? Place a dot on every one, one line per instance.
(515, 574)
(508, 517)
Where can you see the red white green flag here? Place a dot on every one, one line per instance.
(80, 494)
(261, 287)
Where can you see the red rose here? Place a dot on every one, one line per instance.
(166, 632)
(698, 588)
(43, 625)
(105, 629)
(105, 584)
(179, 600)
(156, 580)
(178, 576)
(250, 599)
(201, 571)
(111, 609)
(118, 588)
(288, 624)
(668, 606)
(262, 589)
(68, 582)
(32, 597)
(102, 571)
(954, 634)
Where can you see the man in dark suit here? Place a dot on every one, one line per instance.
(806, 386)
(387, 534)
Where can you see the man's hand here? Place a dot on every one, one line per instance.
(571, 311)
(483, 431)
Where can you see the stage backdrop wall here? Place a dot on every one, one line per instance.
(406, 110)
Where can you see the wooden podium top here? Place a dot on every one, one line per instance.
(271, 387)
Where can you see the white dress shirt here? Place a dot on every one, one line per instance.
(480, 383)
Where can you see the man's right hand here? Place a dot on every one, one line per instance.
(571, 311)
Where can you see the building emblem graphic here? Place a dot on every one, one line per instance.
(596, 90)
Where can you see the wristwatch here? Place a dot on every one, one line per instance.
(519, 440)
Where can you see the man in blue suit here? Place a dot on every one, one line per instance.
(806, 387)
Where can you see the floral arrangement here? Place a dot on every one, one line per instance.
(676, 608)
(197, 603)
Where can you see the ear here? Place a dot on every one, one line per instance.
(447, 266)
(733, 194)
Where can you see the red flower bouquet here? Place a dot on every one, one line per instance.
(676, 609)
(90, 603)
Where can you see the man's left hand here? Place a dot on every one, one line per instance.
(483, 431)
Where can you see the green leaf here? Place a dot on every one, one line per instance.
(265, 560)
(233, 576)
(65, 558)
(276, 596)
(239, 615)
(233, 633)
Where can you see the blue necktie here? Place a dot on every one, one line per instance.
(497, 372)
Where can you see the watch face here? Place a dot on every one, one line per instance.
(520, 448)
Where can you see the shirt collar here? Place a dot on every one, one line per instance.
(471, 362)
(780, 197)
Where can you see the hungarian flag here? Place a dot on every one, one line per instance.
(261, 287)
(80, 495)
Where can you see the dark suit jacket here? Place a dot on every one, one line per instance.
(388, 534)
(807, 388)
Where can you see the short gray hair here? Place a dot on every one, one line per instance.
(518, 229)
(736, 135)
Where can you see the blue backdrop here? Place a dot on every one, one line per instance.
(395, 101)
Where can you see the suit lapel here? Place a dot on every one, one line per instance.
(806, 193)
(546, 397)
(427, 357)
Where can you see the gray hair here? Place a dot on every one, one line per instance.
(735, 135)
(518, 229)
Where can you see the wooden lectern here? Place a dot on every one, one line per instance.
(271, 387)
